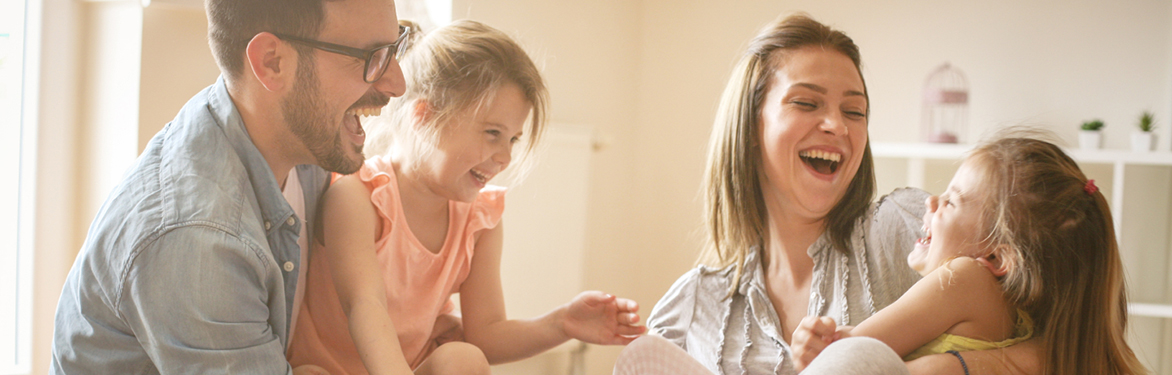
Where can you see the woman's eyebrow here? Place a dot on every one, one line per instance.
(811, 86)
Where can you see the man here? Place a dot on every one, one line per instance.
(192, 264)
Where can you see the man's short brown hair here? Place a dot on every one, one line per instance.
(233, 23)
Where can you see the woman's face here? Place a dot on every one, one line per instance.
(813, 128)
(953, 223)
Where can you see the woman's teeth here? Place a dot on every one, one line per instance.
(824, 155)
(822, 161)
(365, 112)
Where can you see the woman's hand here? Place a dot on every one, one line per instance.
(813, 334)
(600, 318)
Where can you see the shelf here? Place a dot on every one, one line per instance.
(935, 151)
(1150, 310)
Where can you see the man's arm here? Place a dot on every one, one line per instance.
(202, 300)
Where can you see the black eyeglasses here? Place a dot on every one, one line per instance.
(377, 58)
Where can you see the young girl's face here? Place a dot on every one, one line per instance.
(477, 146)
(953, 223)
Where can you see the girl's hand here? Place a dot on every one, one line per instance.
(813, 334)
(448, 328)
(600, 318)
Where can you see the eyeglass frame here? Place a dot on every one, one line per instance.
(358, 53)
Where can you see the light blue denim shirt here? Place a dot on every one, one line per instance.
(191, 264)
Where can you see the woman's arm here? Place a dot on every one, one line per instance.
(349, 223)
(592, 316)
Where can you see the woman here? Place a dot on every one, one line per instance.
(792, 228)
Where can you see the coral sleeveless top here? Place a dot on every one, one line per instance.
(418, 283)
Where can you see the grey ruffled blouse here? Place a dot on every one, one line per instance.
(741, 335)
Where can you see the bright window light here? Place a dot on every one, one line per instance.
(14, 249)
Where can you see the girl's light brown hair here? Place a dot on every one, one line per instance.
(734, 203)
(454, 71)
(1065, 269)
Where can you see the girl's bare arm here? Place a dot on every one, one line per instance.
(349, 225)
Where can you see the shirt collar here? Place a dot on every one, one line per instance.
(274, 209)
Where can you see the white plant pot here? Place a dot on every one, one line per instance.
(1090, 139)
(1143, 142)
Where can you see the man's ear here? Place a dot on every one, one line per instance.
(272, 62)
(997, 262)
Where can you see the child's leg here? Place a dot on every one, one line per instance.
(653, 355)
(455, 358)
(856, 356)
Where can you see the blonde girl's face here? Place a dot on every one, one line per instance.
(477, 146)
(953, 223)
(813, 129)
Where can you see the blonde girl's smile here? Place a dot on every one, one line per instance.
(952, 224)
(479, 146)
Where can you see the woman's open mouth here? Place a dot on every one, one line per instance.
(824, 162)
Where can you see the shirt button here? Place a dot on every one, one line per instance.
(288, 266)
(268, 225)
(291, 221)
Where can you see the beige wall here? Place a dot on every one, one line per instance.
(647, 74)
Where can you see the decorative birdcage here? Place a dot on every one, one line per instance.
(946, 106)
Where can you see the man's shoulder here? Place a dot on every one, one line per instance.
(200, 175)
(188, 175)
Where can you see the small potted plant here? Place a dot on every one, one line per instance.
(1144, 140)
(1090, 137)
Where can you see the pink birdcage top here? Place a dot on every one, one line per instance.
(946, 85)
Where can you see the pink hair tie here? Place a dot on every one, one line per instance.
(1090, 187)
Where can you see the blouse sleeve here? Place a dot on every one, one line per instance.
(672, 315)
(897, 223)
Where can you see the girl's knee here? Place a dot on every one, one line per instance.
(458, 358)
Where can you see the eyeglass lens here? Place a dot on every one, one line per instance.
(377, 64)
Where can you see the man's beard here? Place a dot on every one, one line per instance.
(308, 119)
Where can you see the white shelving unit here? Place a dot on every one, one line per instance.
(918, 154)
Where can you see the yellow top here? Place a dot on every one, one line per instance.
(945, 342)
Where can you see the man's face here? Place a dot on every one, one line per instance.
(307, 115)
(322, 110)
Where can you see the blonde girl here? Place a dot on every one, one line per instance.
(1021, 244)
(419, 223)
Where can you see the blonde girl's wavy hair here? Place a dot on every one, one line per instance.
(1057, 235)
(734, 204)
(455, 71)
